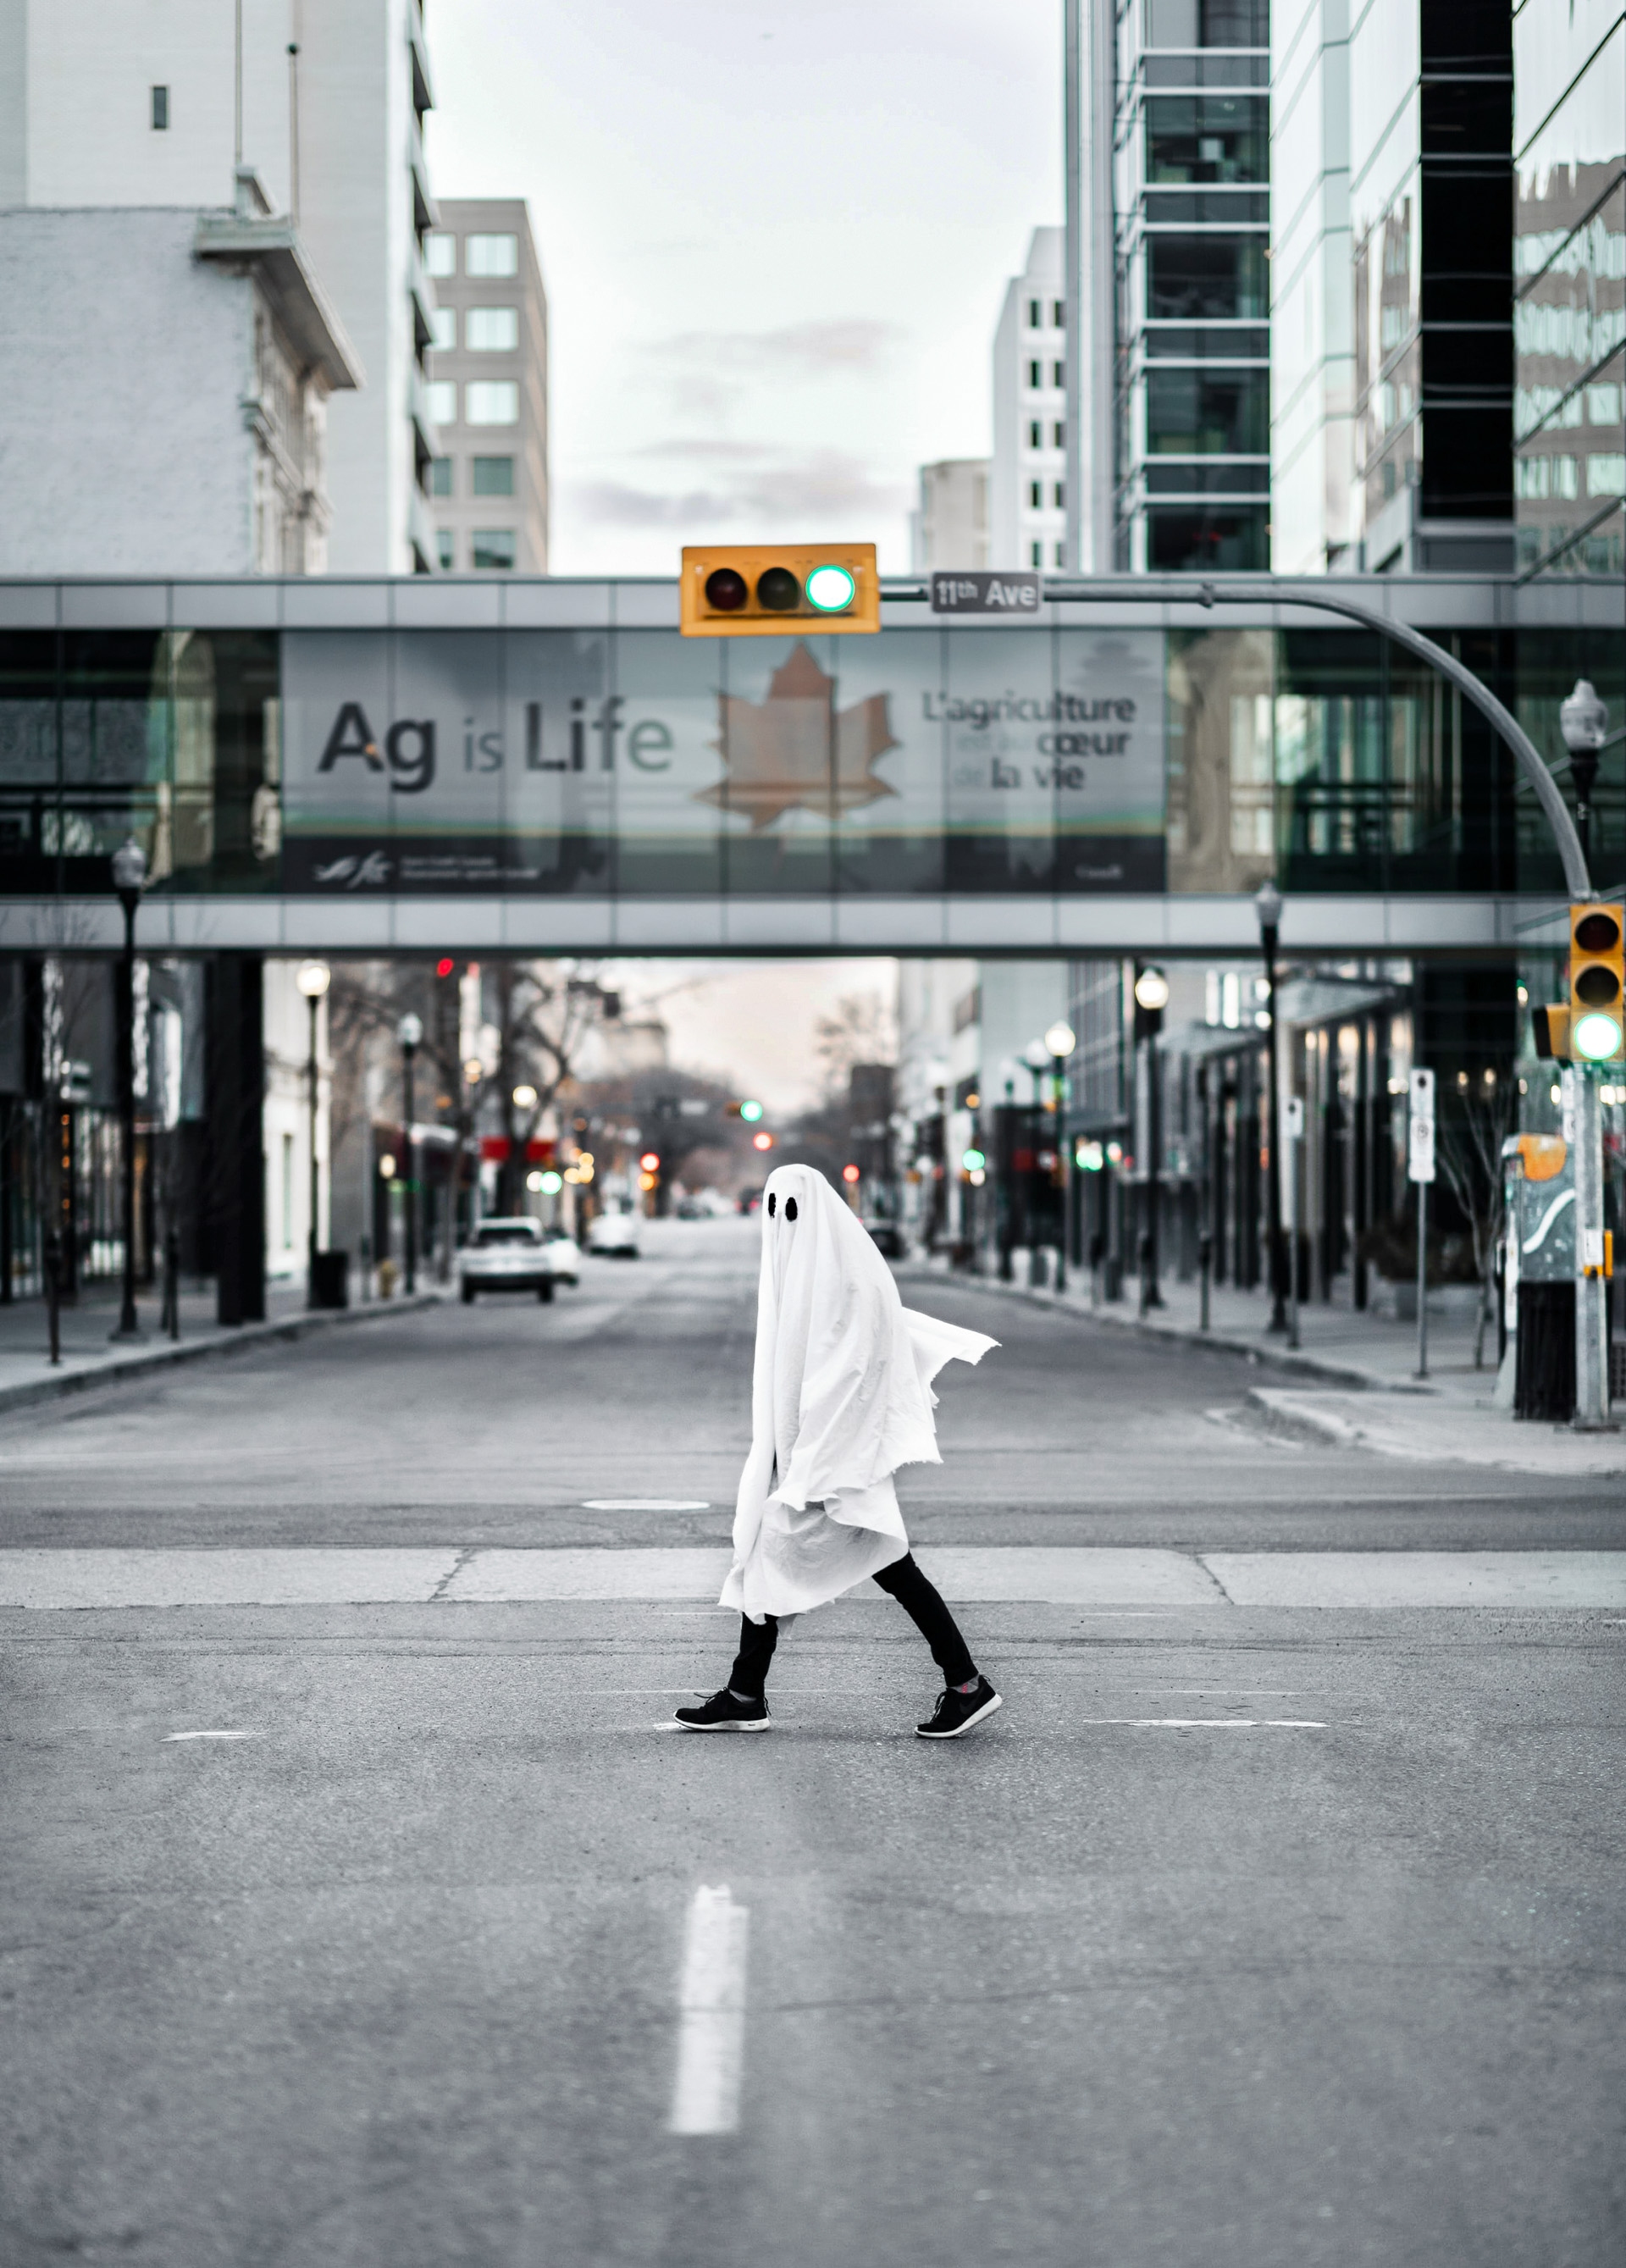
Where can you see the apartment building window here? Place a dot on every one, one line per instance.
(445, 549)
(1605, 474)
(491, 401)
(443, 329)
(491, 330)
(442, 392)
(1058, 314)
(493, 550)
(1035, 315)
(1206, 279)
(440, 253)
(493, 476)
(1035, 434)
(1060, 556)
(440, 477)
(287, 1145)
(1208, 23)
(491, 255)
(1058, 373)
(1035, 494)
(160, 110)
(1061, 497)
(1059, 433)
(1035, 373)
(1208, 413)
(1036, 554)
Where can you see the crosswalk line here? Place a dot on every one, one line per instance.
(1092, 1579)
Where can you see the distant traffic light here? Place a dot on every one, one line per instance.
(1597, 976)
(761, 589)
(749, 1111)
(444, 966)
(850, 1173)
(761, 1141)
(650, 1162)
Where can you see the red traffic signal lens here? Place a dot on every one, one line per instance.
(650, 1162)
(779, 590)
(1597, 932)
(726, 590)
(445, 968)
(761, 1141)
(850, 1173)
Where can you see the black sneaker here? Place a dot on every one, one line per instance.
(724, 1713)
(957, 1712)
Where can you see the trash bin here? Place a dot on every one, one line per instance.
(330, 1280)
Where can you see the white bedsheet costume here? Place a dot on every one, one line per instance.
(841, 1396)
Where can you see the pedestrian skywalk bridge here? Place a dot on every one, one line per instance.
(1103, 1579)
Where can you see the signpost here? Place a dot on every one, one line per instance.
(976, 593)
(1295, 1135)
(1421, 1170)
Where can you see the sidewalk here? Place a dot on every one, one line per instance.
(1352, 1380)
(90, 1356)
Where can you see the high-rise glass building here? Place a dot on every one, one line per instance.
(1191, 201)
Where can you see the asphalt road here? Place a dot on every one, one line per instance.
(1241, 1938)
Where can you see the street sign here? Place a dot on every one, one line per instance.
(978, 594)
(1421, 1167)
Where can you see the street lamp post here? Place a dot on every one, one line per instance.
(1061, 1040)
(313, 979)
(1037, 1056)
(1584, 721)
(409, 1032)
(1268, 906)
(130, 875)
(1152, 998)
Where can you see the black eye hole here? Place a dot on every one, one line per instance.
(789, 1208)
(772, 1202)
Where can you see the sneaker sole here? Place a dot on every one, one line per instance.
(994, 1701)
(757, 1724)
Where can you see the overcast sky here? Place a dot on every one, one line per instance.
(752, 1023)
(775, 238)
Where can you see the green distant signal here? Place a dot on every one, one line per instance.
(751, 1111)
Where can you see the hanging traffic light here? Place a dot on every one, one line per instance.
(762, 590)
(1550, 1030)
(1597, 980)
(749, 1111)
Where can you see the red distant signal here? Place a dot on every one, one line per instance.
(445, 968)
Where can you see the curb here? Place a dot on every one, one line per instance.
(123, 1367)
(1283, 1359)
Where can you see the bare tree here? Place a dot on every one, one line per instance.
(860, 1031)
(1471, 1135)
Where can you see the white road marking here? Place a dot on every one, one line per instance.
(1210, 1724)
(645, 1503)
(711, 2026)
(1107, 1583)
(211, 1736)
(1519, 1579)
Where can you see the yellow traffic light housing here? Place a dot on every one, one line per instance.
(762, 590)
(1551, 1027)
(1597, 981)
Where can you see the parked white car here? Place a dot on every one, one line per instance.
(564, 1257)
(615, 1235)
(507, 1256)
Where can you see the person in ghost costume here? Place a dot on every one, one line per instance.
(841, 1396)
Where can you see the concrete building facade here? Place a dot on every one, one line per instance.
(218, 218)
(489, 389)
(1027, 474)
(949, 526)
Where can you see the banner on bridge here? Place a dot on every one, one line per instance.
(600, 761)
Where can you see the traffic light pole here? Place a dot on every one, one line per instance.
(1591, 1311)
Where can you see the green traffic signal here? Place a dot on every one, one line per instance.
(751, 1111)
(830, 589)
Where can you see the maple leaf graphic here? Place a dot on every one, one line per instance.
(796, 751)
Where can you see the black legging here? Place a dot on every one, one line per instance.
(921, 1601)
